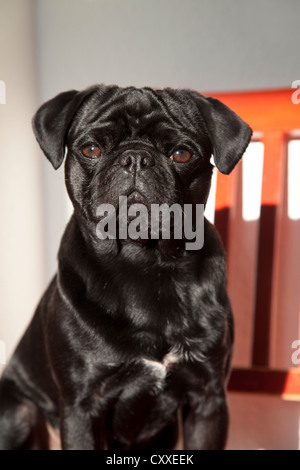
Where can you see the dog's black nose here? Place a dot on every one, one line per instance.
(136, 160)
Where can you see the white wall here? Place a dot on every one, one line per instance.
(22, 249)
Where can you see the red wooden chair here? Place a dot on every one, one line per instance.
(263, 249)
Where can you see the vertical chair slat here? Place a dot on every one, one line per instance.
(286, 291)
(270, 205)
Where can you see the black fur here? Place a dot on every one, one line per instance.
(129, 331)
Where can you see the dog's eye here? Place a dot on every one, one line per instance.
(91, 151)
(181, 156)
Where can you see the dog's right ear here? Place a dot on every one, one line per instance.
(52, 122)
(229, 134)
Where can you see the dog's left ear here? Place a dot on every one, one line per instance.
(229, 134)
(52, 121)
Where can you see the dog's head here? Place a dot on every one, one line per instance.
(153, 146)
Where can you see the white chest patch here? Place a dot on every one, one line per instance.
(159, 370)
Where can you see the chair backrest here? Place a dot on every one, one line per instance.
(257, 212)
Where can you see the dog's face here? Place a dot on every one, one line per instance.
(153, 146)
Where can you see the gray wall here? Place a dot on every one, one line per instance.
(202, 44)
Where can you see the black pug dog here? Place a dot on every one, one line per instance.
(129, 331)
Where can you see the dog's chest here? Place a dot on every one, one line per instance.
(159, 370)
(156, 296)
(149, 378)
